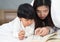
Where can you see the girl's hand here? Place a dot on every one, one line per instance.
(21, 34)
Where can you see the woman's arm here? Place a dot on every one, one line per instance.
(45, 30)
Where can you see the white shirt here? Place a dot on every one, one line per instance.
(13, 27)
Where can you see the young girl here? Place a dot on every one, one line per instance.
(23, 25)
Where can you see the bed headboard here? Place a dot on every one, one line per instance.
(7, 15)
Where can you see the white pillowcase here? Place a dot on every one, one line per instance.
(55, 12)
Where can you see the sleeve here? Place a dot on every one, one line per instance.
(15, 34)
(6, 29)
(16, 29)
(52, 29)
(30, 29)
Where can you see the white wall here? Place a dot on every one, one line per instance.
(12, 4)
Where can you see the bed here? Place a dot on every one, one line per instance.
(7, 16)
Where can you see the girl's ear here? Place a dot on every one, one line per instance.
(20, 19)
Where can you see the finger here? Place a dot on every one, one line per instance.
(37, 30)
(21, 37)
(39, 33)
(44, 33)
(21, 33)
(41, 30)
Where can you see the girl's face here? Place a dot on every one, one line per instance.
(27, 22)
(42, 11)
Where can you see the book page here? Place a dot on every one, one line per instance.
(40, 38)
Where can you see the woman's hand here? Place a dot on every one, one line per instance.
(37, 31)
(21, 34)
(42, 31)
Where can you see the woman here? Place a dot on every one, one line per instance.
(44, 24)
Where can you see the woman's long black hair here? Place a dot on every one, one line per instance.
(48, 19)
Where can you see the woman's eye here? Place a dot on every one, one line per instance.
(45, 11)
(38, 11)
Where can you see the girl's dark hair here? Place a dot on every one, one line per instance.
(26, 11)
(48, 19)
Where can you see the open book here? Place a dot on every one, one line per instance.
(35, 38)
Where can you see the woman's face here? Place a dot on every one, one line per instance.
(42, 11)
